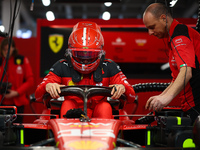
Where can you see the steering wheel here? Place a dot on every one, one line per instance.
(84, 92)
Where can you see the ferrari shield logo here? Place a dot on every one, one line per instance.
(18, 61)
(55, 42)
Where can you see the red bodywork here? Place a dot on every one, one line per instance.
(97, 134)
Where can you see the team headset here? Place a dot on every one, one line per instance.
(180, 58)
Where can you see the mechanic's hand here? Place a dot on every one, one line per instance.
(117, 90)
(11, 94)
(156, 103)
(54, 89)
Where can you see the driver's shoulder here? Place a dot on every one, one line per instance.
(62, 62)
(109, 63)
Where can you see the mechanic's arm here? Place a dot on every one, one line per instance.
(167, 89)
(158, 102)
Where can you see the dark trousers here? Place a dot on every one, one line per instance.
(194, 112)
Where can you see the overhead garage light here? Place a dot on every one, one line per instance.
(46, 2)
(107, 4)
(106, 15)
(50, 16)
(2, 28)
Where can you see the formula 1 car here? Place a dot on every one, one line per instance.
(167, 129)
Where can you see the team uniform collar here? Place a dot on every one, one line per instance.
(172, 27)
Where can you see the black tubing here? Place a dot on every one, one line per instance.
(150, 87)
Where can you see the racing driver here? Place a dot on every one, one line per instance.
(85, 64)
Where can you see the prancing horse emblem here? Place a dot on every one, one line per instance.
(55, 42)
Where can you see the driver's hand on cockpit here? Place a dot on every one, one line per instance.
(117, 90)
(54, 89)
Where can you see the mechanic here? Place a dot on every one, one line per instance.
(19, 76)
(85, 64)
(184, 57)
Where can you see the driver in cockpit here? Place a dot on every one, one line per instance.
(85, 64)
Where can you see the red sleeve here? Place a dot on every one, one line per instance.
(120, 78)
(49, 78)
(183, 51)
(28, 77)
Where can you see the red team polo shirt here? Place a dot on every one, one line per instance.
(20, 74)
(184, 43)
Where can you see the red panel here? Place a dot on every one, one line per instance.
(134, 47)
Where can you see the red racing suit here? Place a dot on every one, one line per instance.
(111, 74)
(184, 44)
(20, 75)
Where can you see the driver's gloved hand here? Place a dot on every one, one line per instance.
(74, 113)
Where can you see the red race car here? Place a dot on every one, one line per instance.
(167, 129)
